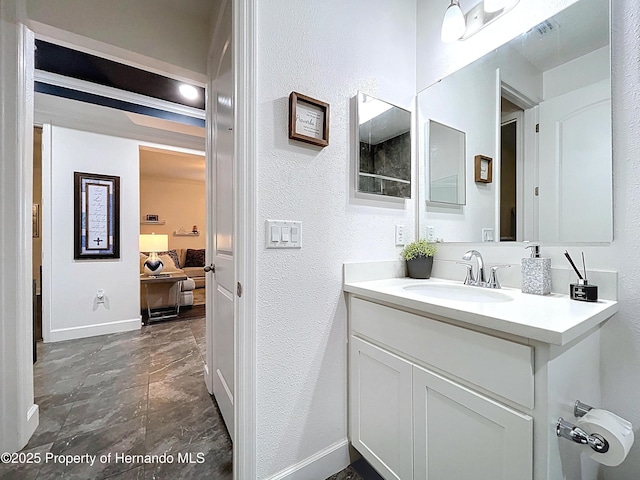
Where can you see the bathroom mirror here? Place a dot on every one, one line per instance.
(446, 163)
(540, 108)
(384, 151)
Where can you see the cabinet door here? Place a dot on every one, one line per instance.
(460, 434)
(380, 409)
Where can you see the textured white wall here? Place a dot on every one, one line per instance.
(75, 282)
(620, 362)
(620, 348)
(328, 50)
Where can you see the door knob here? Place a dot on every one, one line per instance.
(210, 268)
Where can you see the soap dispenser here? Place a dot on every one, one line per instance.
(536, 272)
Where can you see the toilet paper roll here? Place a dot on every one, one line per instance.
(617, 431)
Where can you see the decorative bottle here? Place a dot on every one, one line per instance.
(536, 272)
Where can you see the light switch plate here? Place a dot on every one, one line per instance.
(288, 234)
(431, 233)
(400, 236)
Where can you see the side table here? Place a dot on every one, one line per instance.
(170, 311)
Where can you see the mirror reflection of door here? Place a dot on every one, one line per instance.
(511, 172)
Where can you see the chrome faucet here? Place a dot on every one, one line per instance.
(478, 278)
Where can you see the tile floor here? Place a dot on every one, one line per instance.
(137, 393)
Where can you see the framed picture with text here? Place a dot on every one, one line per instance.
(483, 169)
(308, 120)
(96, 216)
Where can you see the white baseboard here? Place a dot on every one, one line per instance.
(33, 419)
(94, 330)
(318, 466)
(207, 379)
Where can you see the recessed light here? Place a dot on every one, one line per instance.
(188, 91)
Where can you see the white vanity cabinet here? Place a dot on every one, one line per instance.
(461, 434)
(425, 398)
(458, 389)
(382, 420)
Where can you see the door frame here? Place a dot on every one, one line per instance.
(18, 413)
(244, 30)
(518, 119)
(243, 39)
(17, 334)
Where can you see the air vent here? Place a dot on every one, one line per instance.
(546, 27)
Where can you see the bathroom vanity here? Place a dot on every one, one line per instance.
(448, 381)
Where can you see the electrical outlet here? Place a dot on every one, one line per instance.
(431, 233)
(400, 236)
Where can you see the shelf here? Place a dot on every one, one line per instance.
(186, 234)
(160, 222)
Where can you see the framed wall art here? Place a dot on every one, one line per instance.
(483, 169)
(308, 120)
(96, 216)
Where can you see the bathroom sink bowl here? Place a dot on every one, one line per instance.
(460, 293)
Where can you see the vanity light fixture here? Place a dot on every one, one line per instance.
(492, 6)
(453, 23)
(485, 13)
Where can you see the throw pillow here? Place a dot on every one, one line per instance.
(169, 263)
(195, 258)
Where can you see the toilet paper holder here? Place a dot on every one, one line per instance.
(574, 433)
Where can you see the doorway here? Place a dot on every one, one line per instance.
(511, 171)
(36, 234)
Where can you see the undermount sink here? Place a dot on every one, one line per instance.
(461, 293)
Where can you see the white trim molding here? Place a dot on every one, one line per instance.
(18, 414)
(117, 94)
(245, 71)
(323, 464)
(85, 331)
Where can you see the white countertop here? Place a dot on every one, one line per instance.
(554, 319)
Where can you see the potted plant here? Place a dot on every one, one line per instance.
(419, 257)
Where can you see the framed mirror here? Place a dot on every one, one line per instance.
(540, 108)
(384, 150)
(446, 164)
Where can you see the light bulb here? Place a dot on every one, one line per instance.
(188, 91)
(453, 24)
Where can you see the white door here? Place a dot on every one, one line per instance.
(380, 396)
(575, 154)
(460, 434)
(221, 285)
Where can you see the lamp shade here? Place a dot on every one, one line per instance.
(153, 243)
(453, 24)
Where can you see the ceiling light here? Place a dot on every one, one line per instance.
(491, 6)
(453, 24)
(188, 91)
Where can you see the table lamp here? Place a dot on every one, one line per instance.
(153, 244)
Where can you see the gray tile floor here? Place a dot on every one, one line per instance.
(139, 393)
